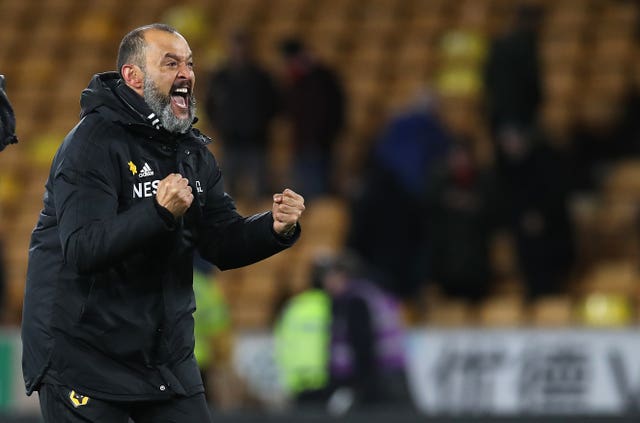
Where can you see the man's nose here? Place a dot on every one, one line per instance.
(184, 71)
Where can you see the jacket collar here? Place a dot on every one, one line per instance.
(152, 126)
(108, 94)
(137, 104)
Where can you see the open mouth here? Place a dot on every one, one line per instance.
(180, 98)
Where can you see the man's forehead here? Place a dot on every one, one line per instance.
(162, 43)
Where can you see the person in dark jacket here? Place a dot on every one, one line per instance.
(412, 143)
(512, 72)
(463, 209)
(366, 353)
(536, 194)
(133, 191)
(513, 80)
(315, 106)
(241, 103)
(7, 119)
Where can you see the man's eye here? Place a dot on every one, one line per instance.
(190, 64)
(172, 64)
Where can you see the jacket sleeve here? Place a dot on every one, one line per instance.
(92, 233)
(230, 240)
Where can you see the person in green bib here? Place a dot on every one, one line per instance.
(302, 337)
(211, 323)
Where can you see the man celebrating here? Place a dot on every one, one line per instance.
(132, 193)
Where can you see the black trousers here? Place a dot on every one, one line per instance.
(60, 404)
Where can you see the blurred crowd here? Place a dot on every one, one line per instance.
(426, 206)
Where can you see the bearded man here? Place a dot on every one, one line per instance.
(132, 193)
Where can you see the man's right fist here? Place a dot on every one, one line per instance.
(174, 194)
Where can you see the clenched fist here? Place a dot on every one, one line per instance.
(287, 209)
(174, 194)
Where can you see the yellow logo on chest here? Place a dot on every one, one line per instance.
(133, 168)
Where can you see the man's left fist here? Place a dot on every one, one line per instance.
(287, 209)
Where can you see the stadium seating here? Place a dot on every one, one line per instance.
(384, 52)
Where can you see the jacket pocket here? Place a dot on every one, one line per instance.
(93, 321)
(86, 304)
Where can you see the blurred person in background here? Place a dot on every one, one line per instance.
(7, 119)
(513, 85)
(241, 101)
(533, 176)
(463, 213)
(401, 162)
(301, 337)
(133, 192)
(536, 189)
(213, 339)
(366, 361)
(7, 136)
(604, 133)
(315, 106)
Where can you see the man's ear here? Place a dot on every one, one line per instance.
(133, 77)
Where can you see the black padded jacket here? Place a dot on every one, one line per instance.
(109, 299)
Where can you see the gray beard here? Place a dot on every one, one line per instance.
(160, 104)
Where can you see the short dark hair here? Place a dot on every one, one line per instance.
(132, 45)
